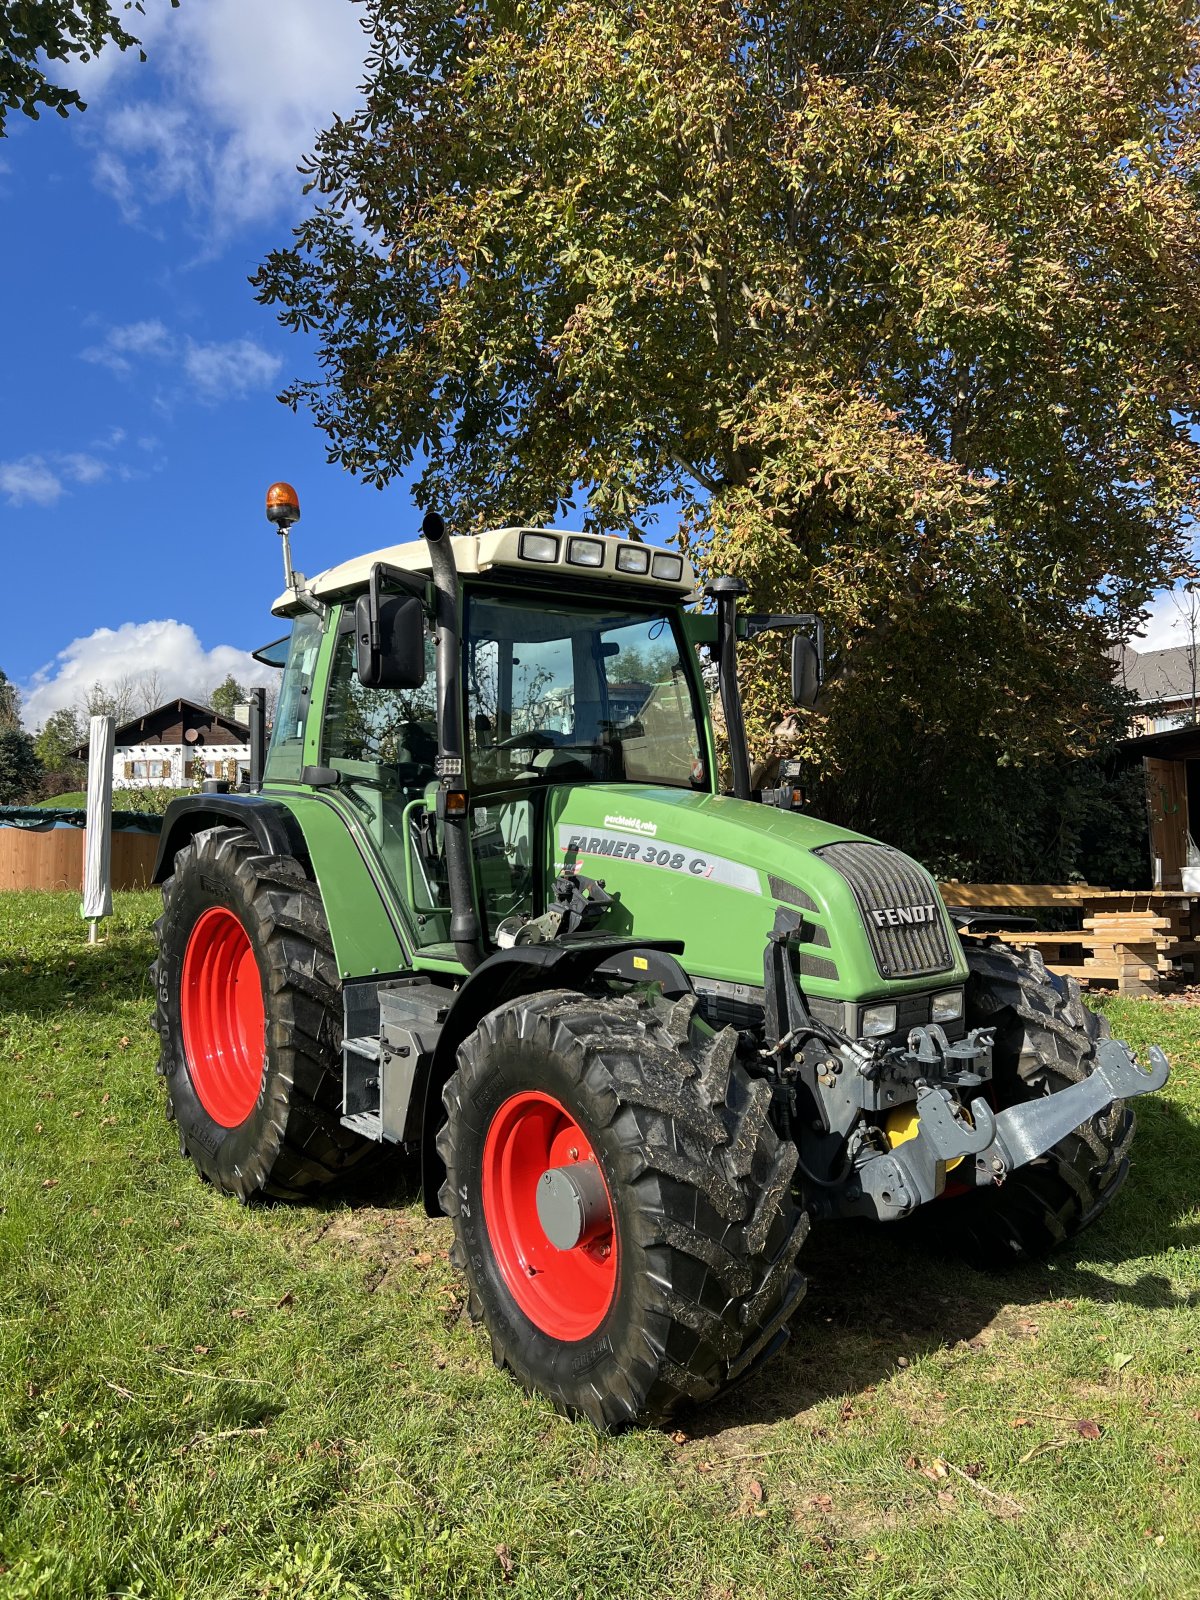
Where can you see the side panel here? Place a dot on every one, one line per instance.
(366, 942)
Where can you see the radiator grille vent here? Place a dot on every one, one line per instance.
(881, 879)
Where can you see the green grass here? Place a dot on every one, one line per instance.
(205, 1400)
(73, 800)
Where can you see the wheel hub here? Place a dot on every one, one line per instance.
(572, 1205)
(549, 1216)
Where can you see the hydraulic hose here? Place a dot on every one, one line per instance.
(464, 922)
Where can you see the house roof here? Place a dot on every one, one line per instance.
(149, 727)
(1157, 674)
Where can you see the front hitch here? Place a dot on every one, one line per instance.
(890, 1184)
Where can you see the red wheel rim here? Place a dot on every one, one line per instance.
(565, 1293)
(224, 1028)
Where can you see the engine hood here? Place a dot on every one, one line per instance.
(714, 871)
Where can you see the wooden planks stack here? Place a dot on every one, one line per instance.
(1132, 938)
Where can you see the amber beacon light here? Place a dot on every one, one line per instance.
(283, 505)
(283, 508)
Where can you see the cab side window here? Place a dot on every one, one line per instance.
(391, 729)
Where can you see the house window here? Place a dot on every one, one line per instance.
(147, 769)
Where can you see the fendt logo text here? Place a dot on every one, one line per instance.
(904, 916)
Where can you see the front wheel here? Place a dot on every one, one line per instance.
(1046, 1040)
(622, 1207)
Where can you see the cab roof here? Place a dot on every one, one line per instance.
(522, 549)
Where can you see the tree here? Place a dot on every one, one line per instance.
(226, 696)
(115, 699)
(10, 704)
(20, 768)
(150, 690)
(895, 305)
(60, 735)
(60, 30)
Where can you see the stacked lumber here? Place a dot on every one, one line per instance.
(1134, 939)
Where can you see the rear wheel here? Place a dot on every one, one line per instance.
(622, 1207)
(1045, 1041)
(248, 1018)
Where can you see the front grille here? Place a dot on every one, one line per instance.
(881, 879)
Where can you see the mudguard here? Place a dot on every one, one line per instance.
(528, 969)
(274, 827)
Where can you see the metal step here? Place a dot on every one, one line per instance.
(364, 1046)
(368, 1123)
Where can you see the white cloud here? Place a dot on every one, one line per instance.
(219, 370)
(134, 650)
(30, 482)
(1168, 624)
(84, 468)
(128, 340)
(215, 370)
(246, 84)
(42, 480)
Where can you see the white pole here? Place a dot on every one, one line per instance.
(97, 857)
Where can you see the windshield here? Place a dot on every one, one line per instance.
(578, 692)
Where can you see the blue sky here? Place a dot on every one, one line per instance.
(138, 422)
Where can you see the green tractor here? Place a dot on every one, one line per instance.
(484, 898)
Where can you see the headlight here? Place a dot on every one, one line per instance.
(633, 558)
(585, 552)
(947, 1006)
(668, 567)
(539, 547)
(877, 1020)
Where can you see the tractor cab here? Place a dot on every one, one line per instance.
(574, 666)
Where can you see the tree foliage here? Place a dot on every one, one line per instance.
(20, 769)
(895, 305)
(56, 740)
(61, 31)
(227, 694)
(10, 704)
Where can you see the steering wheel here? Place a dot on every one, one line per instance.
(535, 739)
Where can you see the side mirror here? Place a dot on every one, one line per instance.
(806, 670)
(390, 641)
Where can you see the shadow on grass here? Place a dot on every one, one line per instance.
(878, 1294)
(103, 976)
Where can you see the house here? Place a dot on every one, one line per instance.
(1164, 736)
(1164, 683)
(176, 744)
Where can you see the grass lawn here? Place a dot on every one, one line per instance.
(200, 1399)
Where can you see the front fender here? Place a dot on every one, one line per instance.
(530, 969)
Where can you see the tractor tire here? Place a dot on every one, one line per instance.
(684, 1275)
(1045, 1041)
(248, 1016)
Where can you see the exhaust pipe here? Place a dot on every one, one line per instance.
(725, 592)
(451, 769)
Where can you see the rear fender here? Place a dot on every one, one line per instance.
(275, 829)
